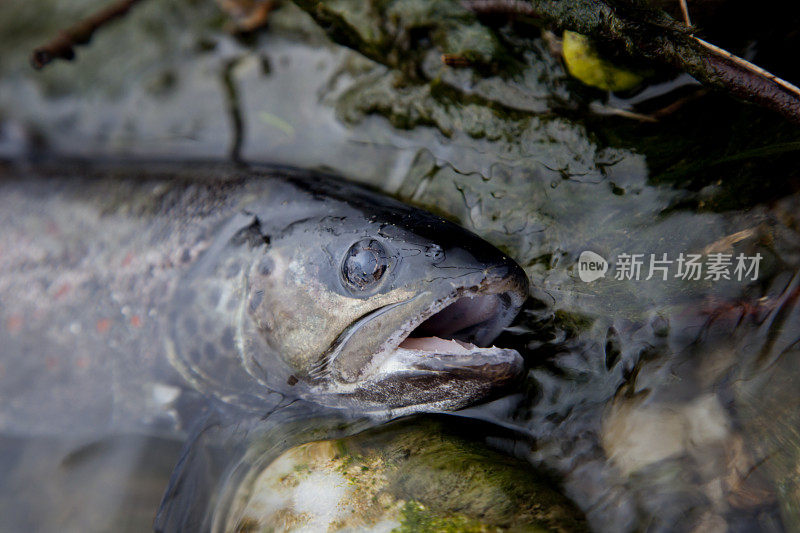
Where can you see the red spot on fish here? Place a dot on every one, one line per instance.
(52, 228)
(14, 323)
(136, 321)
(82, 362)
(103, 325)
(51, 363)
(128, 259)
(64, 289)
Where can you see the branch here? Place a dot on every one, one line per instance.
(722, 70)
(61, 47)
(655, 36)
(751, 67)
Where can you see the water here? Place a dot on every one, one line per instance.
(658, 404)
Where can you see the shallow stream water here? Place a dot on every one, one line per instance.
(658, 401)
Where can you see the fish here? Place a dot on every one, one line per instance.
(134, 296)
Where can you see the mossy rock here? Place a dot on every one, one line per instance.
(413, 475)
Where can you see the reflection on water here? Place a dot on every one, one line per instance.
(691, 426)
(657, 404)
(51, 484)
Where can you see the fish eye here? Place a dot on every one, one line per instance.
(365, 264)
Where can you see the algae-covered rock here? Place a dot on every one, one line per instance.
(399, 33)
(413, 475)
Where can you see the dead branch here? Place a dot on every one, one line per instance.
(61, 47)
(500, 7)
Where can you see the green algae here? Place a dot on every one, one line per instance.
(417, 518)
(452, 480)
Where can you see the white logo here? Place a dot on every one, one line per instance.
(591, 266)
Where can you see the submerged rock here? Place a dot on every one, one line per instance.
(769, 411)
(413, 475)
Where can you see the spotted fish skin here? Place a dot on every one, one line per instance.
(89, 265)
(130, 295)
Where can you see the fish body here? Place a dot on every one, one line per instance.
(131, 296)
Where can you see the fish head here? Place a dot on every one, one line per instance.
(375, 304)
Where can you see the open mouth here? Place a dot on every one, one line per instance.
(468, 321)
(455, 335)
(429, 352)
(448, 337)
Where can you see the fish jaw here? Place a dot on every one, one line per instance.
(439, 379)
(441, 357)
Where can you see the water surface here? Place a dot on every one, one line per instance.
(659, 404)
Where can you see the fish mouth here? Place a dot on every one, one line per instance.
(453, 333)
(441, 357)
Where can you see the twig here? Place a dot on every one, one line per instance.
(601, 109)
(738, 60)
(232, 102)
(677, 104)
(654, 116)
(685, 11)
(455, 60)
(500, 7)
(750, 66)
(62, 45)
(247, 16)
